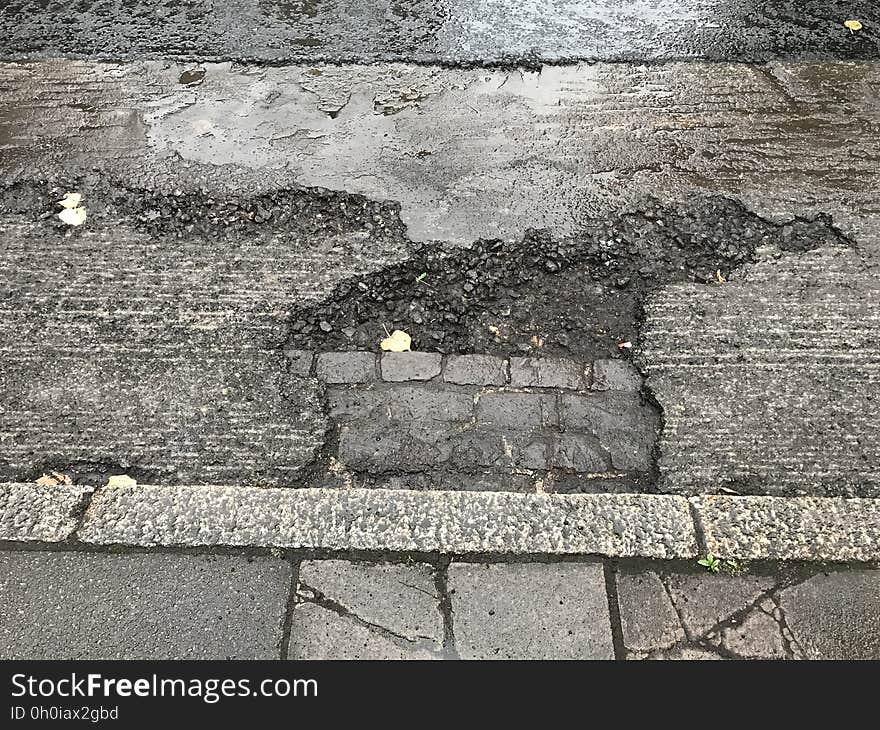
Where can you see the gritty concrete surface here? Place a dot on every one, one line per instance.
(41, 513)
(366, 611)
(648, 619)
(476, 370)
(835, 615)
(448, 32)
(401, 599)
(773, 613)
(59, 605)
(321, 633)
(765, 381)
(793, 528)
(530, 611)
(370, 519)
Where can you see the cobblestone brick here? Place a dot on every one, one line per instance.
(374, 446)
(346, 367)
(420, 405)
(615, 375)
(475, 370)
(491, 448)
(547, 372)
(581, 452)
(401, 366)
(517, 410)
(400, 404)
(626, 426)
(351, 404)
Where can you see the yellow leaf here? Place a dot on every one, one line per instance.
(398, 341)
(121, 480)
(853, 25)
(73, 216)
(53, 479)
(71, 200)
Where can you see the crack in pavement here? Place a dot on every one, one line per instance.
(319, 599)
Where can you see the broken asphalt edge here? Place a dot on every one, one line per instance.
(826, 529)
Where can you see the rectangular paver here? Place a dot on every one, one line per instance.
(530, 611)
(359, 610)
(69, 605)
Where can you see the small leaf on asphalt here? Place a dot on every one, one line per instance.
(397, 341)
(853, 25)
(73, 216)
(121, 480)
(71, 200)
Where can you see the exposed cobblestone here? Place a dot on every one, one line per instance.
(475, 370)
(548, 372)
(580, 452)
(520, 411)
(615, 375)
(468, 423)
(401, 366)
(346, 367)
(624, 424)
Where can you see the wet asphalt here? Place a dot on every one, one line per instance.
(452, 32)
(232, 206)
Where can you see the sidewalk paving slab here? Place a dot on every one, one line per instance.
(530, 611)
(684, 615)
(362, 610)
(73, 605)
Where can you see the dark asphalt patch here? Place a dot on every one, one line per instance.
(298, 213)
(494, 32)
(579, 297)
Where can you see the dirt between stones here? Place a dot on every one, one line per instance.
(579, 297)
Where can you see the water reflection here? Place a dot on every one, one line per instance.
(588, 29)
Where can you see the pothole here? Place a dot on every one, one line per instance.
(580, 296)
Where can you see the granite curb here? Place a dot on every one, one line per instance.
(446, 522)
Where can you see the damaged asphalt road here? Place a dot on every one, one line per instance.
(448, 31)
(719, 217)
